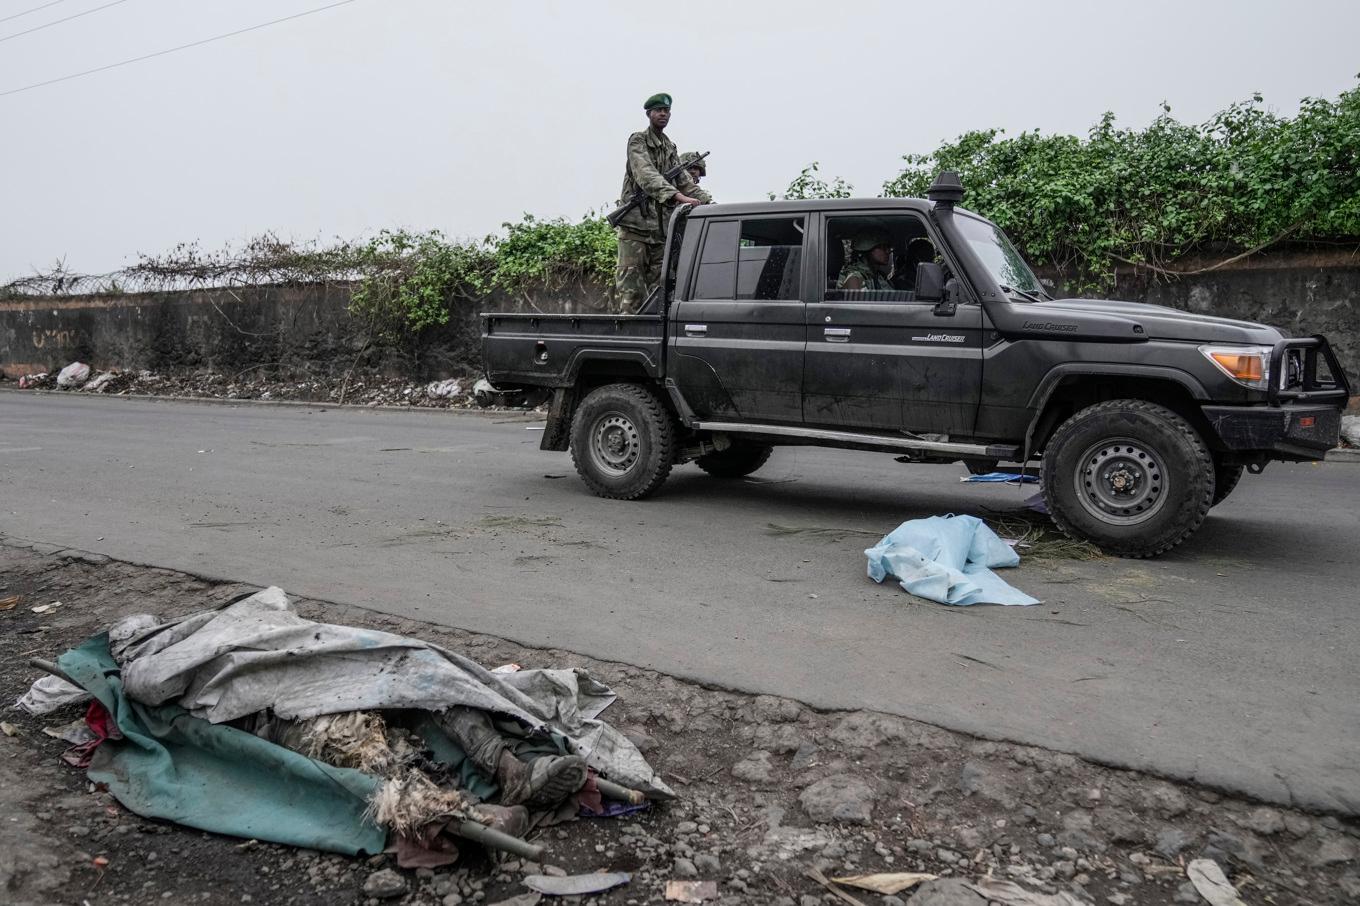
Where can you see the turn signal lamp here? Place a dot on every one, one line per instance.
(1247, 365)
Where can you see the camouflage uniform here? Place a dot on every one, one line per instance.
(870, 276)
(642, 234)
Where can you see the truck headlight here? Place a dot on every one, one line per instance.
(1247, 365)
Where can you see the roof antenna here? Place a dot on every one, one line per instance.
(947, 190)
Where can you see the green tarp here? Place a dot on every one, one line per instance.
(217, 778)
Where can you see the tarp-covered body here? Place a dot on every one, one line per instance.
(257, 655)
(186, 695)
(948, 559)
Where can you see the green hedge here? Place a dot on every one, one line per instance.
(1245, 179)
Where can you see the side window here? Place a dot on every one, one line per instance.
(717, 277)
(874, 258)
(770, 259)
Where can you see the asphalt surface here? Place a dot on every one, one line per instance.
(1230, 662)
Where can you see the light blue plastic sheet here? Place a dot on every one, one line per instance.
(948, 559)
(1001, 478)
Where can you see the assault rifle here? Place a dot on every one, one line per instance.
(640, 198)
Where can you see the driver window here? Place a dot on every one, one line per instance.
(874, 258)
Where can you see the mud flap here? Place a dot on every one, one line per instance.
(557, 435)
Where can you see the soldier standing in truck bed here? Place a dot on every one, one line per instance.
(642, 232)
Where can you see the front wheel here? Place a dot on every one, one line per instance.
(1132, 477)
(622, 441)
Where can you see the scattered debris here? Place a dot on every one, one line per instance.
(1041, 540)
(35, 381)
(816, 875)
(886, 883)
(576, 885)
(947, 559)
(1009, 893)
(99, 382)
(10, 602)
(73, 375)
(691, 891)
(8, 729)
(444, 390)
(259, 384)
(1211, 883)
(45, 608)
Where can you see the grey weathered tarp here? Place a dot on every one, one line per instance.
(258, 654)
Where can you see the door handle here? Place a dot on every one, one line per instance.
(836, 334)
(696, 329)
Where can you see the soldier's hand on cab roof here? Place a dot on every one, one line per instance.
(682, 198)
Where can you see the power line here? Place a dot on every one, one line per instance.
(33, 10)
(161, 53)
(30, 31)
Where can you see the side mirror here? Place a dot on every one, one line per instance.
(931, 286)
(946, 307)
(929, 282)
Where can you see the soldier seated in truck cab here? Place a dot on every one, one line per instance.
(920, 250)
(870, 265)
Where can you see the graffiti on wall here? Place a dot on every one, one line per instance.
(56, 339)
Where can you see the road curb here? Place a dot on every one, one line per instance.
(1343, 454)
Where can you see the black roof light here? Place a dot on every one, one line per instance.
(946, 191)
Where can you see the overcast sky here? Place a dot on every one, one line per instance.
(460, 115)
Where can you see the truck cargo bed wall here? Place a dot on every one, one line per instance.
(556, 350)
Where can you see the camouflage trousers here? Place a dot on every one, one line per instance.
(639, 270)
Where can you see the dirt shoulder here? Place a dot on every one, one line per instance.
(769, 790)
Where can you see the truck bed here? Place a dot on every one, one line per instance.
(542, 350)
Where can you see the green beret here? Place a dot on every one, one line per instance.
(657, 100)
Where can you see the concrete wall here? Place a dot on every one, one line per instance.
(1303, 291)
(222, 330)
(307, 329)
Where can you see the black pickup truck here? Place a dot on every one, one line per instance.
(1142, 417)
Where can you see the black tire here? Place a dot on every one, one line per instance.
(622, 441)
(1132, 477)
(736, 461)
(1225, 479)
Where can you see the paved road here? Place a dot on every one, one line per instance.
(1231, 661)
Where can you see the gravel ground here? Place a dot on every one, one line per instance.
(769, 791)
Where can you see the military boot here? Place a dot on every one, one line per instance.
(541, 783)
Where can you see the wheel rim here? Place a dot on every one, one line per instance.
(614, 443)
(1121, 481)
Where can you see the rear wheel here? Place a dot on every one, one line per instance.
(1225, 479)
(736, 461)
(1130, 476)
(622, 441)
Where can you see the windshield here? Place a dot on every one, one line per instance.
(998, 255)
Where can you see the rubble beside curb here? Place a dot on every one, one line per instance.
(773, 794)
